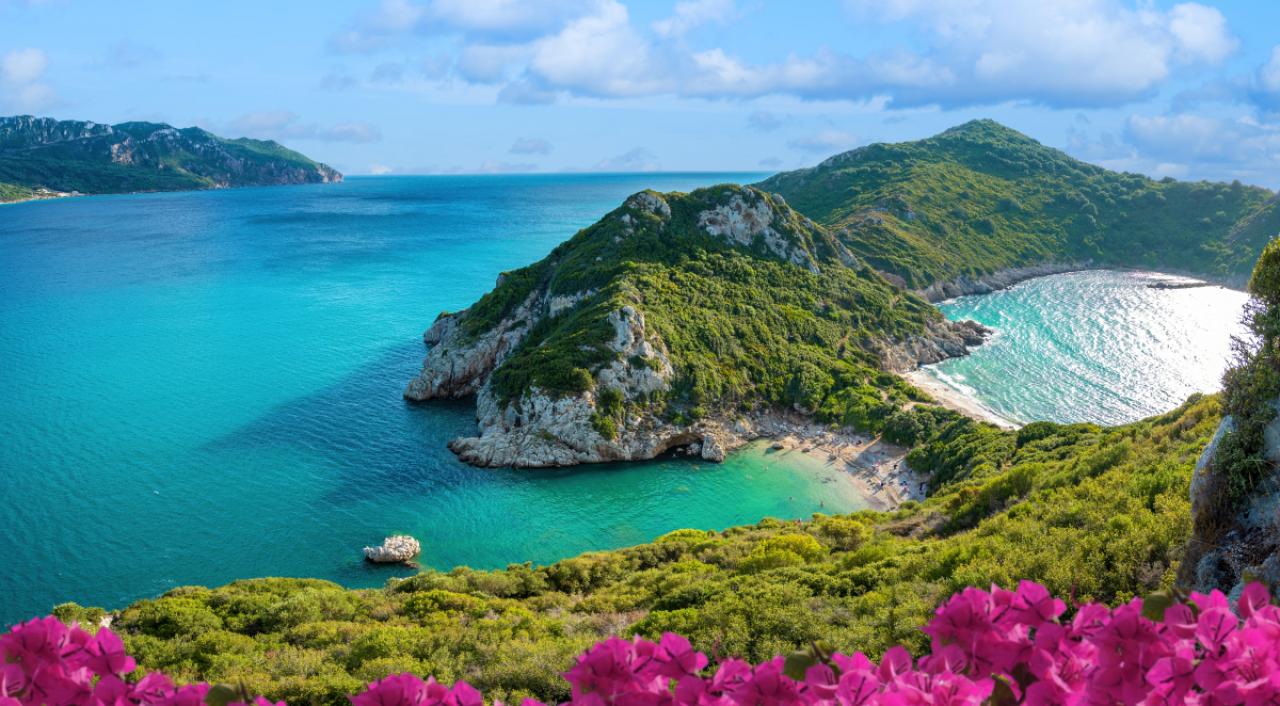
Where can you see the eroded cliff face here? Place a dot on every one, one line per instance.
(1230, 548)
(614, 420)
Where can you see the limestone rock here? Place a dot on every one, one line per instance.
(1002, 279)
(711, 449)
(396, 549)
(939, 341)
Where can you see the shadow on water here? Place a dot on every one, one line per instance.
(361, 428)
(373, 443)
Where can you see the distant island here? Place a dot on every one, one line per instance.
(689, 321)
(46, 158)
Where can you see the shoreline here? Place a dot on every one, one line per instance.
(877, 469)
(41, 197)
(955, 400)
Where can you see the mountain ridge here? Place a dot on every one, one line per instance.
(678, 319)
(981, 197)
(96, 158)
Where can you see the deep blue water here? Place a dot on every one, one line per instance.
(205, 386)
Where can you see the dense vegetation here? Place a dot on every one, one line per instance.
(1092, 513)
(1003, 646)
(982, 197)
(95, 159)
(742, 327)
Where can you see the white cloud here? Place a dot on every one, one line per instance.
(1200, 33)
(530, 145)
(489, 63)
(637, 159)
(825, 142)
(1269, 74)
(765, 121)
(286, 125)
(509, 20)
(380, 169)
(1197, 138)
(21, 86)
(691, 14)
(1062, 53)
(23, 65)
(599, 54)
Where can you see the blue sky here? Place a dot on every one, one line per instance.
(1188, 89)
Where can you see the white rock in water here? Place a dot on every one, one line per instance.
(399, 548)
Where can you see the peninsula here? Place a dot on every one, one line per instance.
(44, 157)
(684, 320)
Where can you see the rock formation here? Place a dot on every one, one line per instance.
(396, 549)
(613, 416)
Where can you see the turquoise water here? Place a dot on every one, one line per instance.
(1097, 346)
(205, 386)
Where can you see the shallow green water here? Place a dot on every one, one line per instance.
(1097, 346)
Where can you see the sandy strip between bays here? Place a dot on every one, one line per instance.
(950, 397)
(877, 469)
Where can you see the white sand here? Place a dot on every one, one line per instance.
(950, 397)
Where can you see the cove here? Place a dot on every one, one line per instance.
(205, 386)
(1097, 346)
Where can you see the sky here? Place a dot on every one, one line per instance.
(1187, 89)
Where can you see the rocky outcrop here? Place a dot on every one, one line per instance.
(396, 549)
(623, 412)
(1229, 548)
(539, 429)
(940, 340)
(1001, 279)
(748, 218)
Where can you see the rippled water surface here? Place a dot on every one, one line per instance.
(1098, 346)
(205, 386)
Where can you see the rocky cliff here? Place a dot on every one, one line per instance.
(1235, 489)
(628, 340)
(88, 157)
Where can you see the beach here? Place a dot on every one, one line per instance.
(877, 470)
(954, 399)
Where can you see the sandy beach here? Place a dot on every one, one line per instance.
(877, 469)
(954, 399)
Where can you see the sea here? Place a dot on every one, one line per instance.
(206, 386)
(1102, 346)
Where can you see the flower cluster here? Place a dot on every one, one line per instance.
(996, 647)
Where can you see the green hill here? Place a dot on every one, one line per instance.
(672, 321)
(982, 197)
(92, 158)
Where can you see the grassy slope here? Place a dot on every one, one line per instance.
(982, 197)
(1101, 513)
(13, 192)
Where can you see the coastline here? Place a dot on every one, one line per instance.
(40, 197)
(953, 399)
(942, 291)
(877, 469)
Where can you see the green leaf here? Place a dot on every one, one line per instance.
(1154, 605)
(221, 695)
(1002, 694)
(797, 663)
